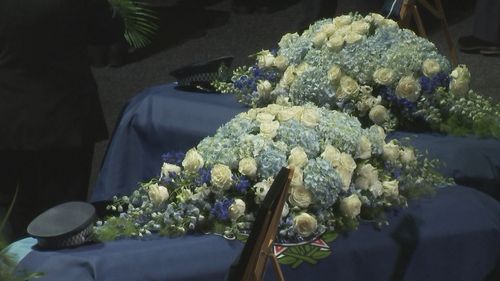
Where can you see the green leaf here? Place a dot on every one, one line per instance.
(329, 236)
(321, 254)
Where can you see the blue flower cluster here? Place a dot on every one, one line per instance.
(220, 209)
(294, 133)
(173, 157)
(270, 161)
(323, 180)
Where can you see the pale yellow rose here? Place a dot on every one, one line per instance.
(378, 114)
(300, 197)
(384, 76)
(168, 168)
(391, 188)
(297, 111)
(391, 151)
(248, 167)
(310, 117)
(305, 224)
(265, 59)
(263, 117)
(348, 87)
(369, 172)
(237, 209)
(360, 27)
(351, 206)
(460, 78)
(288, 77)
(335, 43)
(362, 183)
(264, 88)
(288, 38)
(297, 178)
(301, 68)
(273, 109)
(319, 39)
(430, 67)
(351, 37)
(407, 155)
(193, 161)
(269, 129)
(345, 167)
(342, 20)
(375, 18)
(389, 22)
(459, 87)
(408, 88)
(158, 194)
(285, 115)
(221, 177)
(329, 29)
(365, 148)
(376, 188)
(281, 62)
(252, 113)
(298, 157)
(334, 74)
(331, 154)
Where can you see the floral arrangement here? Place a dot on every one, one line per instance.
(372, 69)
(342, 172)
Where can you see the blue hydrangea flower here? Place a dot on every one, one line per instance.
(323, 180)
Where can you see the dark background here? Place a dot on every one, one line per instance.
(199, 30)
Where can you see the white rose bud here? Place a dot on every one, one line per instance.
(378, 114)
(377, 18)
(310, 117)
(460, 78)
(286, 210)
(297, 178)
(348, 87)
(319, 39)
(288, 77)
(369, 172)
(269, 129)
(335, 43)
(248, 167)
(408, 88)
(360, 27)
(331, 154)
(329, 29)
(157, 194)
(300, 197)
(407, 155)
(391, 188)
(297, 158)
(168, 168)
(376, 188)
(389, 22)
(281, 62)
(237, 209)
(221, 178)
(383, 76)
(265, 59)
(334, 74)
(345, 167)
(193, 161)
(351, 206)
(252, 113)
(430, 67)
(351, 38)
(305, 224)
(391, 151)
(264, 88)
(365, 148)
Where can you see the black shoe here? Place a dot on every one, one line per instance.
(474, 45)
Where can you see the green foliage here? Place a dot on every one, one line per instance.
(140, 22)
(116, 227)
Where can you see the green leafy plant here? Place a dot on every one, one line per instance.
(140, 22)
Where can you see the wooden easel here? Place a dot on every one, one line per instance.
(251, 264)
(409, 10)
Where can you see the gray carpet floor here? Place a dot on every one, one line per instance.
(193, 32)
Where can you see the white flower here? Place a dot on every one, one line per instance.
(310, 117)
(342, 20)
(365, 148)
(157, 194)
(348, 87)
(248, 167)
(376, 18)
(298, 157)
(459, 87)
(391, 188)
(297, 178)
(345, 167)
(351, 206)
(351, 37)
(221, 177)
(263, 117)
(168, 168)
(367, 102)
(269, 129)
(376, 188)
(331, 154)
(360, 27)
(285, 115)
(288, 77)
(252, 113)
(388, 22)
(430, 67)
(305, 224)
(319, 39)
(296, 111)
(265, 59)
(335, 43)
(193, 161)
(368, 172)
(281, 62)
(367, 91)
(334, 74)
(408, 88)
(264, 87)
(261, 189)
(378, 114)
(237, 209)
(184, 195)
(460, 78)
(383, 76)
(329, 29)
(286, 210)
(300, 197)
(407, 155)
(362, 183)
(391, 151)
(301, 68)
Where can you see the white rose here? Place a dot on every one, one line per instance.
(376, 188)
(459, 87)
(301, 68)
(300, 197)
(296, 111)
(265, 59)
(221, 178)
(264, 88)
(378, 114)
(345, 167)
(408, 88)
(274, 108)
(351, 37)
(367, 102)
(157, 194)
(261, 189)
(285, 115)
(380, 131)
(193, 161)
(310, 117)
(281, 62)
(348, 87)
(383, 76)
(389, 22)
(365, 148)
(288, 77)
(362, 183)
(297, 178)
(305, 224)
(331, 154)
(377, 18)
(334, 74)
(335, 43)
(263, 117)
(252, 113)
(360, 26)
(287, 39)
(298, 157)
(391, 188)
(237, 209)
(391, 151)
(269, 129)
(342, 20)
(460, 78)
(407, 155)
(351, 206)
(369, 172)
(184, 195)
(168, 168)
(329, 29)
(286, 210)
(248, 167)
(430, 67)
(319, 39)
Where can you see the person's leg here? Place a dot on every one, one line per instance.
(486, 33)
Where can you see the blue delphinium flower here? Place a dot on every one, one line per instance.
(204, 176)
(242, 183)
(220, 209)
(173, 157)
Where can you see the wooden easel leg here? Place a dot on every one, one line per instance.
(444, 24)
(277, 269)
(418, 21)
